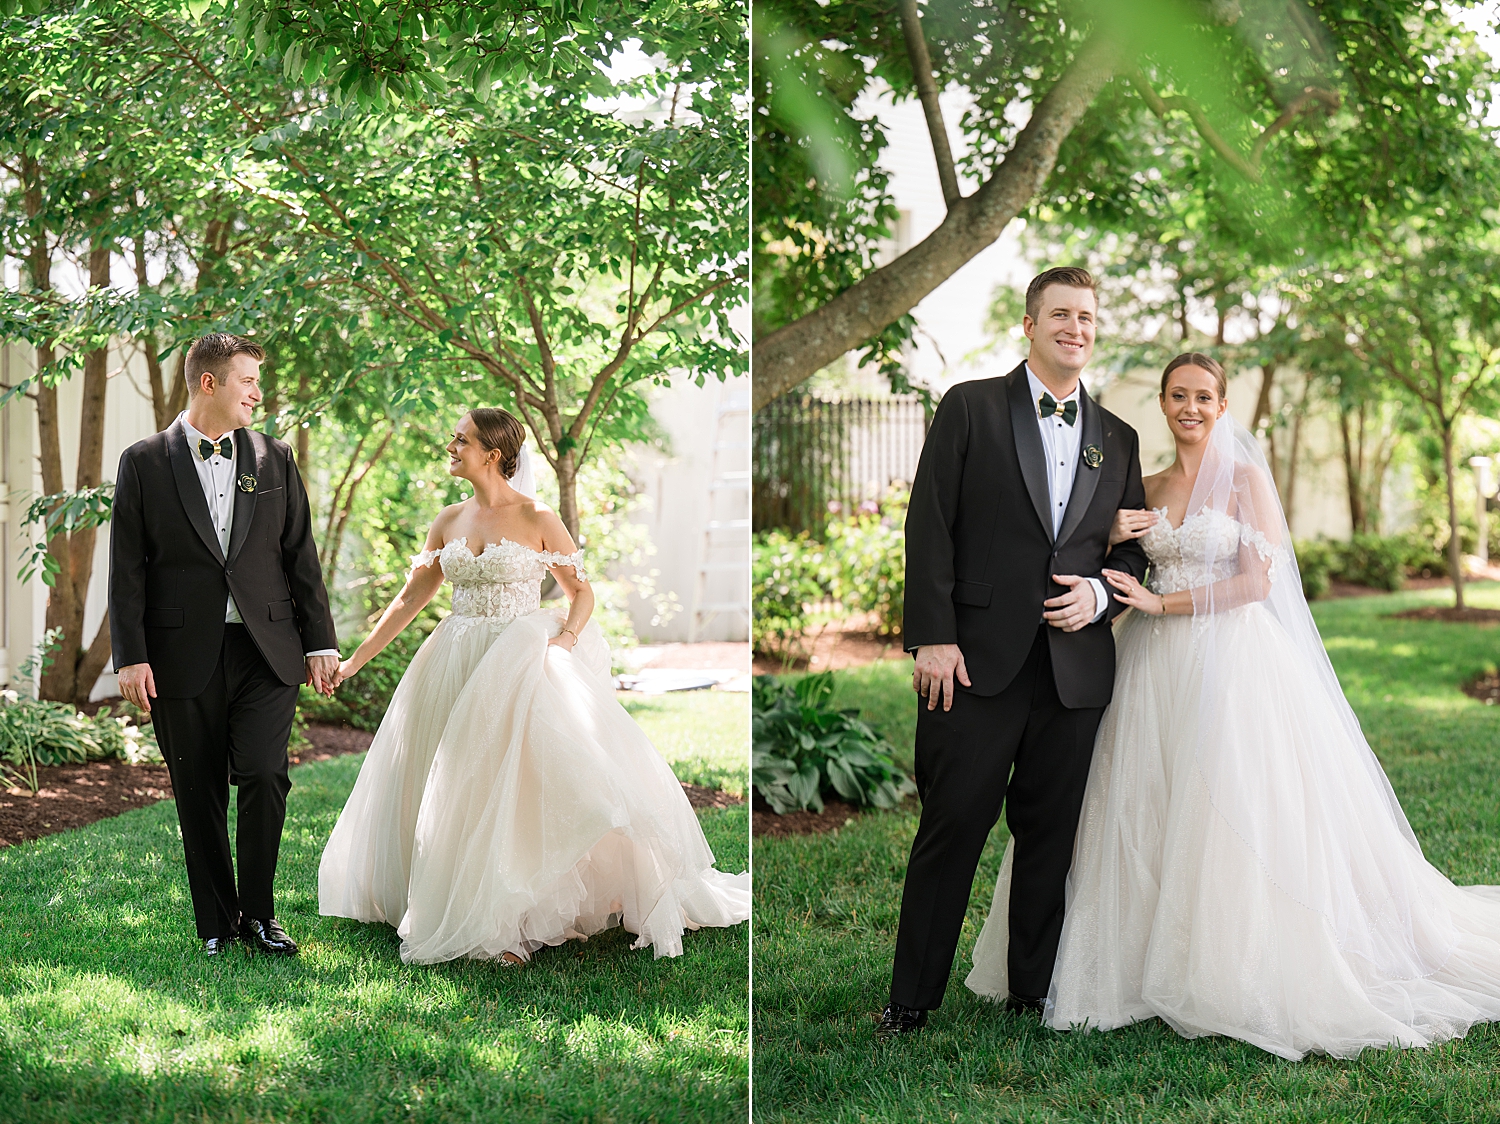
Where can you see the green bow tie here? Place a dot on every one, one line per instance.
(225, 448)
(1046, 407)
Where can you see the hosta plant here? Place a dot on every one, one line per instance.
(804, 748)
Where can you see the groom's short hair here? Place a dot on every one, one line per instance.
(212, 353)
(1070, 275)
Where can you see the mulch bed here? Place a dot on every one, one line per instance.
(1450, 614)
(74, 795)
(77, 795)
(764, 821)
(1485, 688)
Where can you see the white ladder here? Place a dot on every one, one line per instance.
(723, 584)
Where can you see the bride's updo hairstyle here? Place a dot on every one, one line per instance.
(500, 432)
(1204, 362)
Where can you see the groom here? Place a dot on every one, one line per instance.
(217, 613)
(1006, 535)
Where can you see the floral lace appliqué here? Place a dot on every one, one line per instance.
(1203, 550)
(501, 582)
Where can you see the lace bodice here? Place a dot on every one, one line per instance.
(1204, 550)
(504, 581)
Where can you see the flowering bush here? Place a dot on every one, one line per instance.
(867, 553)
(789, 575)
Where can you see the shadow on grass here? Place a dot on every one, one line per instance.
(827, 908)
(109, 1012)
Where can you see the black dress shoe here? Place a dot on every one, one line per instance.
(897, 1020)
(1016, 1004)
(267, 936)
(214, 946)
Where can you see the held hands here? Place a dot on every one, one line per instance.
(1131, 524)
(1137, 596)
(1072, 610)
(937, 666)
(322, 674)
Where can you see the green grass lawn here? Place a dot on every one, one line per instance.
(108, 1012)
(703, 734)
(827, 908)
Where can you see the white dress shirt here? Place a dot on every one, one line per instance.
(217, 477)
(1060, 442)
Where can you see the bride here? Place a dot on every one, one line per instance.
(508, 801)
(1242, 866)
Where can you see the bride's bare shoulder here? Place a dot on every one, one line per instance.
(446, 521)
(1154, 484)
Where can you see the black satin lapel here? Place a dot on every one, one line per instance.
(1085, 479)
(248, 458)
(189, 490)
(1029, 449)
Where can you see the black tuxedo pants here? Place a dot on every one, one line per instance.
(1021, 749)
(235, 732)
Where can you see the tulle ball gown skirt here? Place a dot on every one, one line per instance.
(1265, 888)
(509, 802)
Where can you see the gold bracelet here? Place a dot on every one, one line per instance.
(1163, 599)
(570, 632)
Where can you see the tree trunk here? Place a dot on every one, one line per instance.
(1263, 402)
(795, 351)
(567, 492)
(1353, 484)
(74, 552)
(1455, 547)
(160, 393)
(1293, 454)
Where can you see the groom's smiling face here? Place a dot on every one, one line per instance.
(1062, 335)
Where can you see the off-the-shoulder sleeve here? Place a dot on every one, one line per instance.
(426, 558)
(553, 558)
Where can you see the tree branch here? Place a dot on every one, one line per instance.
(927, 91)
(786, 357)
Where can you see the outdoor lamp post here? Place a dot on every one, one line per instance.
(1483, 488)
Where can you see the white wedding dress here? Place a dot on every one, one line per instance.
(1241, 865)
(508, 801)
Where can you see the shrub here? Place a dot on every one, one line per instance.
(35, 733)
(788, 576)
(361, 702)
(1373, 560)
(867, 554)
(803, 748)
(1423, 558)
(1315, 562)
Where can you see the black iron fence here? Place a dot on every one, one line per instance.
(813, 458)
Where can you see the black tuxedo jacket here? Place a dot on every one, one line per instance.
(979, 546)
(169, 581)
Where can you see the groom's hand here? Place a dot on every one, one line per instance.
(321, 672)
(937, 666)
(1072, 610)
(137, 684)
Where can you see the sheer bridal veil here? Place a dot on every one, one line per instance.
(524, 481)
(1323, 821)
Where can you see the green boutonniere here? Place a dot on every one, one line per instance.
(1092, 456)
(247, 483)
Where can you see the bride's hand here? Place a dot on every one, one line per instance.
(1131, 523)
(346, 671)
(1132, 593)
(565, 640)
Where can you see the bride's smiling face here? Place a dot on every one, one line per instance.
(1192, 404)
(468, 459)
